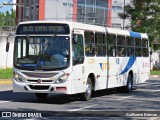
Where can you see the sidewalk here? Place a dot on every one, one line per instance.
(154, 76)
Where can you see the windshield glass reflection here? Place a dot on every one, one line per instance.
(47, 52)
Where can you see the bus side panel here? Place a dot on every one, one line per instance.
(100, 70)
(79, 80)
(142, 70)
(112, 73)
(119, 69)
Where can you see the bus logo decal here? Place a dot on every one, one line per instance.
(129, 65)
(39, 81)
(117, 61)
(103, 66)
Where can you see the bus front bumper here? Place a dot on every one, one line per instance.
(41, 87)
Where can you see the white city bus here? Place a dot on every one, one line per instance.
(69, 58)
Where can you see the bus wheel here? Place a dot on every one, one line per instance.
(88, 91)
(41, 96)
(128, 87)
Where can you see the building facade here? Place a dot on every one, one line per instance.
(87, 11)
(118, 7)
(100, 12)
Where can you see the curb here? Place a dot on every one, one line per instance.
(155, 76)
(5, 81)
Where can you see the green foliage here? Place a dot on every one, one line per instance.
(8, 18)
(6, 73)
(155, 72)
(145, 18)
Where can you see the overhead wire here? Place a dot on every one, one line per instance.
(7, 3)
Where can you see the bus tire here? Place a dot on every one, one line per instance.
(41, 96)
(88, 91)
(128, 87)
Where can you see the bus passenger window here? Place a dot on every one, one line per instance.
(121, 41)
(137, 42)
(89, 43)
(130, 51)
(138, 52)
(130, 46)
(78, 51)
(121, 51)
(145, 52)
(111, 45)
(129, 41)
(121, 46)
(100, 44)
(144, 43)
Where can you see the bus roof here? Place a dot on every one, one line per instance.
(118, 31)
(89, 27)
(144, 35)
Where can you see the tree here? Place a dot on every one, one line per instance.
(144, 16)
(8, 18)
(2, 16)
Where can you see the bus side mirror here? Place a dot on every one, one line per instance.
(151, 52)
(7, 46)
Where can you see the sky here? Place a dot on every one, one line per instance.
(7, 7)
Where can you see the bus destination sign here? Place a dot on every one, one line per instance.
(47, 28)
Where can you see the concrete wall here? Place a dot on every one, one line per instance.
(155, 60)
(6, 59)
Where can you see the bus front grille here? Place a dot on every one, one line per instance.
(39, 75)
(42, 81)
(37, 87)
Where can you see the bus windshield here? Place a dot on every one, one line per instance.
(41, 52)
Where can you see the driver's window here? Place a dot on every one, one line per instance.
(78, 50)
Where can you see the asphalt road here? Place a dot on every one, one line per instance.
(145, 98)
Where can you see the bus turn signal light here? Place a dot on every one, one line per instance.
(61, 89)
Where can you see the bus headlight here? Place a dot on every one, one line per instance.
(17, 77)
(62, 79)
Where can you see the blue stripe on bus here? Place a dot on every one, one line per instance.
(135, 34)
(129, 65)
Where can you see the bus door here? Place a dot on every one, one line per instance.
(112, 60)
(78, 60)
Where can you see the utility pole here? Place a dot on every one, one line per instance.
(124, 14)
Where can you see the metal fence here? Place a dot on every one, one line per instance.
(8, 28)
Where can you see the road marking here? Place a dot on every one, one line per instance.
(134, 98)
(148, 90)
(145, 99)
(4, 101)
(82, 108)
(124, 98)
(145, 84)
(156, 90)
